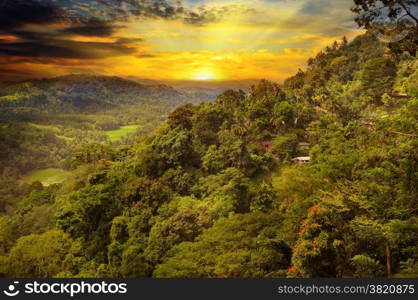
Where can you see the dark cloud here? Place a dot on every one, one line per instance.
(204, 15)
(158, 9)
(10, 75)
(122, 10)
(13, 72)
(93, 18)
(97, 17)
(15, 13)
(66, 49)
(52, 43)
(129, 40)
(146, 55)
(92, 27)
(34, 35)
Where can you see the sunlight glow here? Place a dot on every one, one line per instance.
(204, 75)
(239, 44)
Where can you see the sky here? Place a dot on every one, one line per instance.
(202, 40)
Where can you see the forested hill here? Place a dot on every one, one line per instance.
(43, 121)
(84, 93)
(313, 178)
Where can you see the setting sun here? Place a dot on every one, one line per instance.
(204, 75)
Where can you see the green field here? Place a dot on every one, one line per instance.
(47, 176)
(46, 127)
(116, 135)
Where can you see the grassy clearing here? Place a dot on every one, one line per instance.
(52, 128)
(116, 135)
(47, 176)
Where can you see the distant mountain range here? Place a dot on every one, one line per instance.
(203, 89)
(77, 93)
(80, 92)
(194, 84)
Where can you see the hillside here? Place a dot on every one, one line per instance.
(83, 93)
(43, 121)
(313, 178)
(205, 90)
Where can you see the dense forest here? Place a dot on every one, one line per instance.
(317, 177)
(43, 121)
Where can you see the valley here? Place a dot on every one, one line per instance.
(69, 112)
(313, 177)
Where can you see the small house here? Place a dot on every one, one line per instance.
(301, 160)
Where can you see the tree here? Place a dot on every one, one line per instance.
(126, 257)
(227, 191)
(263, 198)
(145, 194)
(238, 246)
(181, 117)
(39, 255)
(377, 77)
(230, 100)
(371, 10)
(85, 214)
(318, 251)
(206, 123)
(92, 154)
(174, 147)
(284, 146)
(366, 266)
(184, 226)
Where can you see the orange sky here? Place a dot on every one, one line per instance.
(234, 40)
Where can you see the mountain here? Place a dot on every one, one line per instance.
(205, 90)
(220, 86)
(42, 121)
(88, 93)
(84, 93)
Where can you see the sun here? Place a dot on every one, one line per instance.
(204, 75)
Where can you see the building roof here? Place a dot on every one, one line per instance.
(302, 158)
(399, 95)
(268, 145)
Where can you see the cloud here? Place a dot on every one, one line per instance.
(56, 48)
(175, 37)
(92, 27)
(15, 13)
(317, 7)
(146, 55)
(62, 20)
(209, 14)
(96, 16)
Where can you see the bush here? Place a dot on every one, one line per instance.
(366, 267)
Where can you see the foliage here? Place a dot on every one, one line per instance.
(213, 191)
(366, 266)
(240, 246)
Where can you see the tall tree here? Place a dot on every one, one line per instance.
(371, 10)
